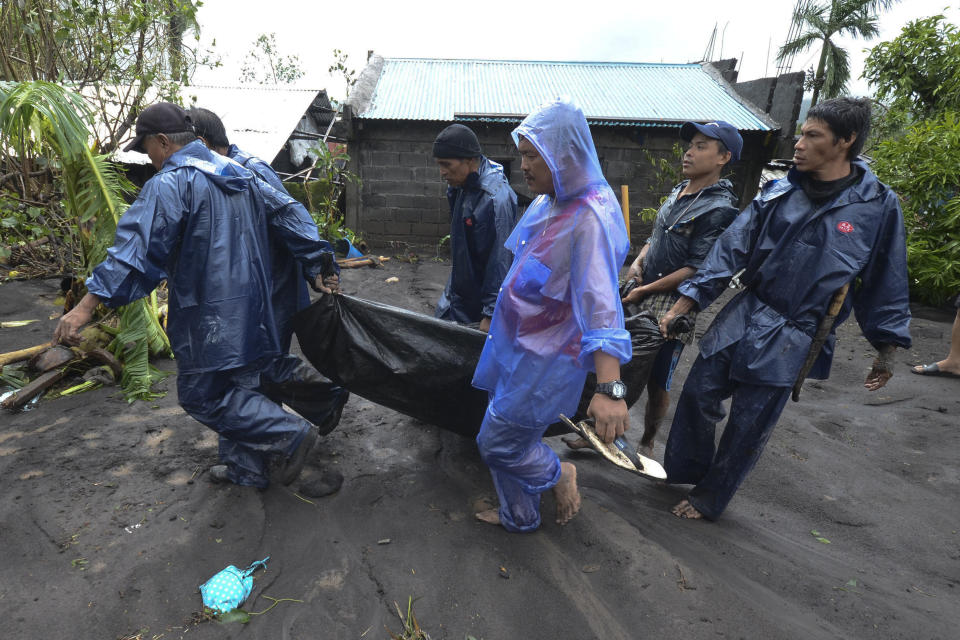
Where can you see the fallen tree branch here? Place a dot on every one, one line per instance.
(23, 354)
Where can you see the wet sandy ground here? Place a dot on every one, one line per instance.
(108, 523)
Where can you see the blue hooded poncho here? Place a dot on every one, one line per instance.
(202, 224)
(559, 302)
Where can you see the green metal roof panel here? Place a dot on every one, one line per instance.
(613, 93)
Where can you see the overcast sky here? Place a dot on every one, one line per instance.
(598, 30)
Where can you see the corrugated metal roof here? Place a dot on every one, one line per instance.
(616, 93)
(259, 118)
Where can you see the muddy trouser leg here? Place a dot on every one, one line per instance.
(291, 381)
(690, 445)
(253, 428)
(522, 467)
(754, 412)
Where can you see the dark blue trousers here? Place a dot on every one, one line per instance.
(244, 406)
(691, 456)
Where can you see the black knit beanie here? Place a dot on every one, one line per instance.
(456, 141)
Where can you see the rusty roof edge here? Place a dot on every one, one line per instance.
(759, 113)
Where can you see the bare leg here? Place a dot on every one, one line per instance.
(658, 402)
(566, 493)
(686, 510)
(952, 362)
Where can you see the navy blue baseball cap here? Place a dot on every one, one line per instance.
(719, 130)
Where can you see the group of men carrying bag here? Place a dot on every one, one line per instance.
(237, 252)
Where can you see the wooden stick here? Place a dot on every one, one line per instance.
(23, 354)
(27, 393)
(625, 205)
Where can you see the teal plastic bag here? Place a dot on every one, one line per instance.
(227, 590)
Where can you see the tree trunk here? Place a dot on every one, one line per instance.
(175, 41)
(819, 78)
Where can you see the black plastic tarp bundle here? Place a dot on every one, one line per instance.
(421, 366)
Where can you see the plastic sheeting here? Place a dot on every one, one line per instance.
(421, 366)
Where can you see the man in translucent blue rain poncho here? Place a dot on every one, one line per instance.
(202, 224)
(827, 224)
(558, 316)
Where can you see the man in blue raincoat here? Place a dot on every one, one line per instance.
(558, 316)
(303, 388)
(202, 224)
(483, 211)
(829, 223)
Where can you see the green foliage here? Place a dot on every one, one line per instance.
(918, 72)
(820, 23)
(920, 166)
(49, 121)
(122, 47)
(666, 174)
(916, 147)
(265, 64)
(340, 67)
(321, 196)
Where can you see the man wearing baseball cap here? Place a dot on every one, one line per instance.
(483, 211)
(202, 223)
(689, 221)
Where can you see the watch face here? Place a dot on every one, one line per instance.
(619, 389)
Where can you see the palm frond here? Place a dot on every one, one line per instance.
(837, 71)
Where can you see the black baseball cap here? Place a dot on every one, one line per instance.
(163, 117)
(719, 130)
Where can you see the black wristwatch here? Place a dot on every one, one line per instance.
(616, 389)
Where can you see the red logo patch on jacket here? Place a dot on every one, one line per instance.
(844, 227)
(469, 222)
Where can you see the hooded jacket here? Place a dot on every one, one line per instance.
(795, 256)
(289, 288)
(482, 213)
(686, 228)
(559, 301)
(202, 224)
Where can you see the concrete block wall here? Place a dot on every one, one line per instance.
(403, 198)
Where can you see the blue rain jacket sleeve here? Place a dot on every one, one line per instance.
(482, 214)
(795, 257)
(199, 224)
(293, 227)
(559, 302)
(290, 293)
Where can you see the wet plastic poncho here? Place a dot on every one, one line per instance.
(482, 213)
(559, 301)
(201, 223)
(794, 261)
(289, 288)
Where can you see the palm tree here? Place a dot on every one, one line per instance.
(820, 22)
(46, 124)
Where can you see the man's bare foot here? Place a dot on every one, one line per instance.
(686, 510)
(576, 443)
(490, 516)
(566, 493)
